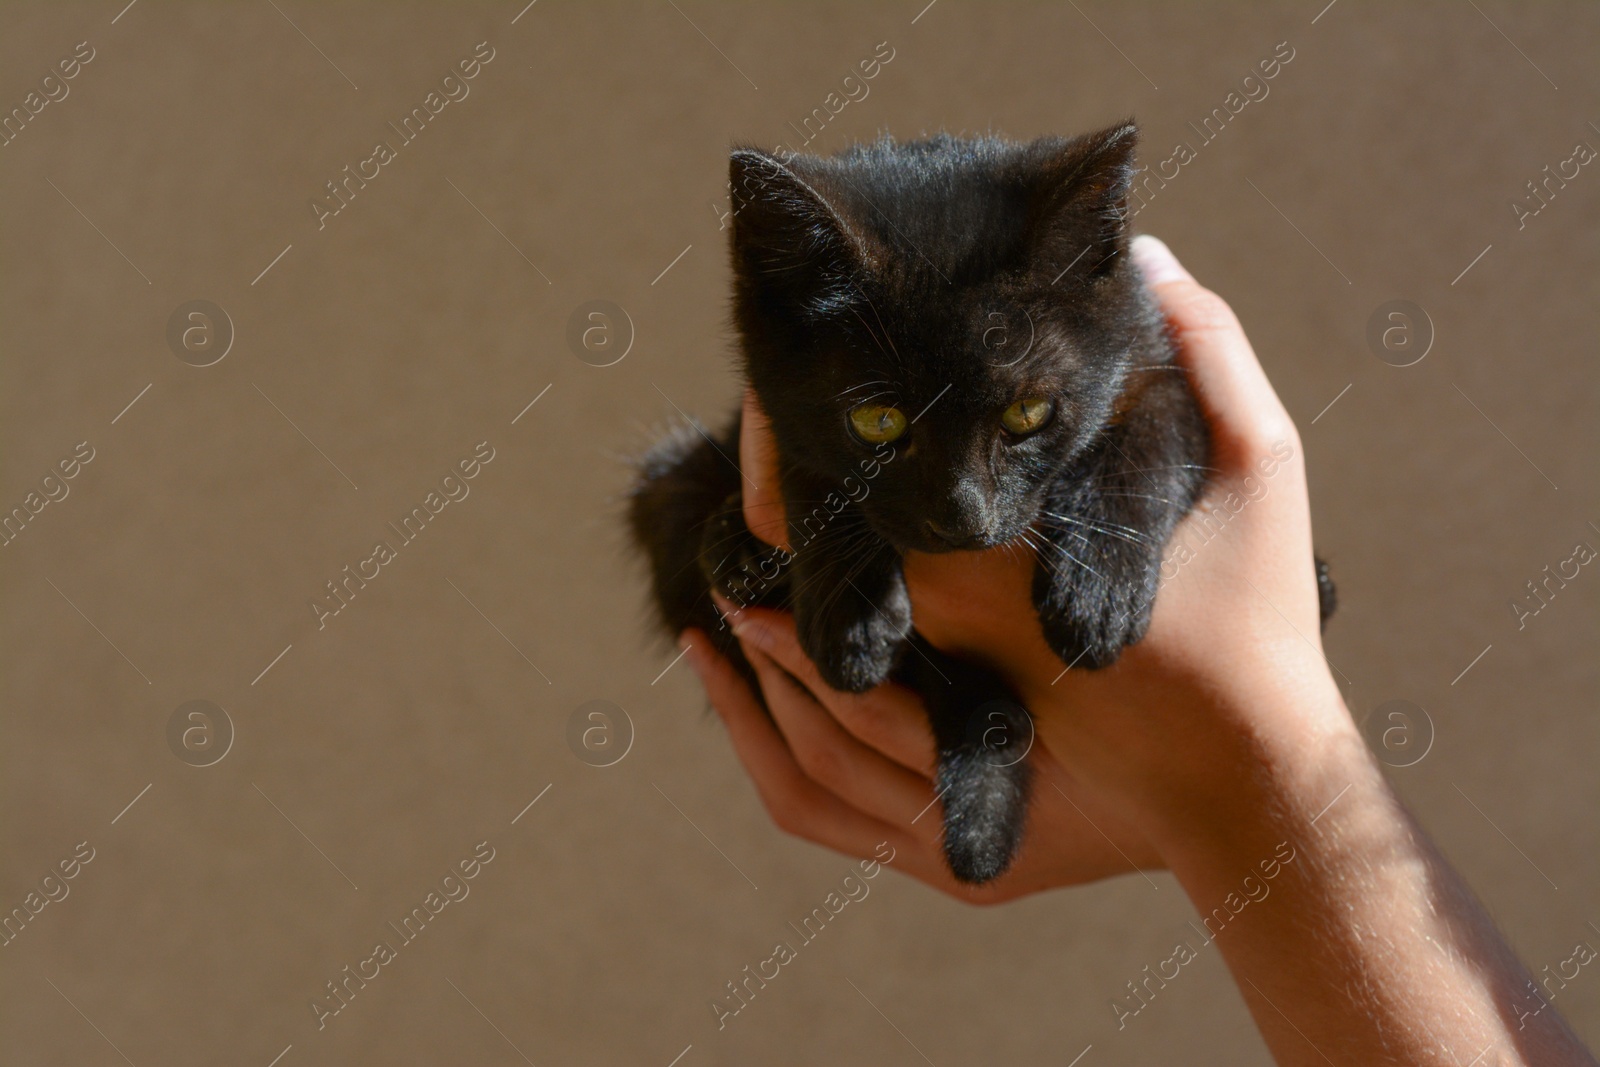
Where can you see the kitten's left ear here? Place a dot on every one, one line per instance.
(1079, 200)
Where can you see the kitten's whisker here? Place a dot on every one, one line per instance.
(869, 399)
(1074, 533)
(1170, 467)
(845, 552)
(1063, 551)
(1046, 561)
(874, 309)
(1085, 520)
(1033, 539)
(1110, 529)
(853, 388)
(842, 542)
(858, 557)
(870, 332)
(1078, 561)
(1141, 496)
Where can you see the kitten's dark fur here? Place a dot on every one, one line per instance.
(948, 278)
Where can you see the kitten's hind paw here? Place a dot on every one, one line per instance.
(735, 565)
(985, 809)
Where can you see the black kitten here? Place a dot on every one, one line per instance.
(954, 352)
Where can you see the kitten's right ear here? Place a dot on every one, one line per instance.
(789, 243)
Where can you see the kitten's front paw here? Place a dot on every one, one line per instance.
(1090, 624)
(856, 651)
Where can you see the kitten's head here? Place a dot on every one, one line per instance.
(968, 304)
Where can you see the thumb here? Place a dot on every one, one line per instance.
(1239, 402)
(758, 458)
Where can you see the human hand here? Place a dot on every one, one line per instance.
(1125, 756)
(848, 771)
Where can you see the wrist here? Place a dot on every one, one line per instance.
(1259, 773)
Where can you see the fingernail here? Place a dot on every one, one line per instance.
(727, 613)
(1157, 261)
(750, 632)
(746, 629)
(733, 616)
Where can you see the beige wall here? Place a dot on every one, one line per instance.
(416, 724)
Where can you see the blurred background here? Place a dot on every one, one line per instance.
(240, 342)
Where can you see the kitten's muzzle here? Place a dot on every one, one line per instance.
(954, 538)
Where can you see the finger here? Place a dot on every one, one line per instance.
(830, 756)
(1229, 382)
(889, 718)
(798, 805)
(965, 604)
(758, 458)
(802, 808)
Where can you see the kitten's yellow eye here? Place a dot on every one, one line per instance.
(1027, 415)
(878, 423)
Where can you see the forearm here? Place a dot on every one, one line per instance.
(1365, 947)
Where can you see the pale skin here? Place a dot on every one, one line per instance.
(1212, 742)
